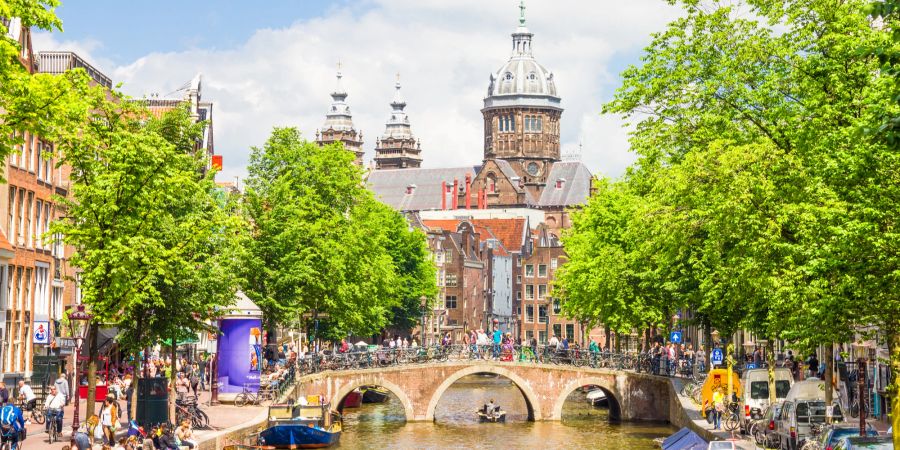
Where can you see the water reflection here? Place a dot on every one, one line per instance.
(583, 426)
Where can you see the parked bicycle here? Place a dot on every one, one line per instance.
(249, 396)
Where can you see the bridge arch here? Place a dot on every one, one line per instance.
(375, 380)
(531, 398)
(614, 400)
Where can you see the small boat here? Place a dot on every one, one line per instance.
(493, 416)
(597, 397)
(373, 394)
(353, 399)
(309, 425)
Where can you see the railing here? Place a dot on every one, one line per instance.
(578, 357)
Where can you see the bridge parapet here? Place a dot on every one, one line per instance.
(419, 387)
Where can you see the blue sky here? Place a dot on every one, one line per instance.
(272, 63)
(131, 29)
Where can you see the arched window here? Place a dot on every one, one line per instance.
(508, 76)
(491, 183)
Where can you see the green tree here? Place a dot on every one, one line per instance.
(151, 244)
(318, 243)
(771, 198)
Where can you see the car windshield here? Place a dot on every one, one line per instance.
(759, 390)
(839, 433)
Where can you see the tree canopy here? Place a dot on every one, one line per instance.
(321, 245)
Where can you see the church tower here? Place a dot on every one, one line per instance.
(338, 125)
(521, 114)
(398, 148)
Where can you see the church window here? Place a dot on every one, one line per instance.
(491, 183)
(508, 76)
(532, 76)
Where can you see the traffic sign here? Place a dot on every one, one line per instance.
(717, 356)
(675, 337)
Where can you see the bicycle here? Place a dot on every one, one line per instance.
(247, 396)
(36, 413)
(53, 431)
(732, 421)
(812, 441)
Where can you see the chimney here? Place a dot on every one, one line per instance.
(443, 195)
(468, 188)
(455, 198)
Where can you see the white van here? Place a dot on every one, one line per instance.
(803, 408)
(755, 397)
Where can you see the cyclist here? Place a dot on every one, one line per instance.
(26, 396)
(12, 423)
(54, 409)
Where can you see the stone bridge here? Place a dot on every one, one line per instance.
(419, 387)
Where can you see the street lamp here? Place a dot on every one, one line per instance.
(79, 323)
(423, 306)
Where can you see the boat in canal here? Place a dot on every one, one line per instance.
(374, 394)
(597, 397)
(310, 424)
(353, 400)
(492, 415)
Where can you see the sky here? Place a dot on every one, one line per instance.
(272, 63)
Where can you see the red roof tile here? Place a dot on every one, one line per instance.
(508, 231)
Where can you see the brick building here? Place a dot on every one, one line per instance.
(37, 283)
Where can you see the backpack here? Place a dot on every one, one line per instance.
(8, 416)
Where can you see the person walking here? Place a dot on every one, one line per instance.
(194, 378)
(4, 394)
(497, 338)
(718, 400)
(109, 420)
(62, 386)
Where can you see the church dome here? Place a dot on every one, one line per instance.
(522, 81)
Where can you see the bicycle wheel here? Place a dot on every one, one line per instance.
(731, 422)
(241, 399)
(203, 418)
(53, 436)
(37, 416)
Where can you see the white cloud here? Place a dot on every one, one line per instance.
(444, 51)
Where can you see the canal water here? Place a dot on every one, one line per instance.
(376, 426)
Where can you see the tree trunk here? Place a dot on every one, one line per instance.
(894, 392)
(829, 377)
(172, 374)
(136, 375)
(607, 334)
(770, 362)
(91, 372)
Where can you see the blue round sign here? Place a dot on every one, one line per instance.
(717, 356)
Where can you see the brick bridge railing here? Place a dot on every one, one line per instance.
(545, 387)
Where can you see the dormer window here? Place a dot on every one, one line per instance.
(532, 76)
(410, 189)
(560, 183)
(508, 76)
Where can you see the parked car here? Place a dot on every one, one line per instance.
(765, 433)
(803, 408)
(755, 397)
(867, 443)
(722, 445)
(834, 435)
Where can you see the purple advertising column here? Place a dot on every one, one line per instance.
(240, 354)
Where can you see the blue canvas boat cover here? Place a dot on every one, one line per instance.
(684, 439)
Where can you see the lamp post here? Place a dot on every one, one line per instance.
(79, 322)
(423, 307)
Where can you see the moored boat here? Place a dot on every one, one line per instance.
(597, 397)
(373, 394)
(353, 399)
(309, 425)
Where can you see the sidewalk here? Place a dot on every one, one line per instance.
(693, 412)
(220, 417)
